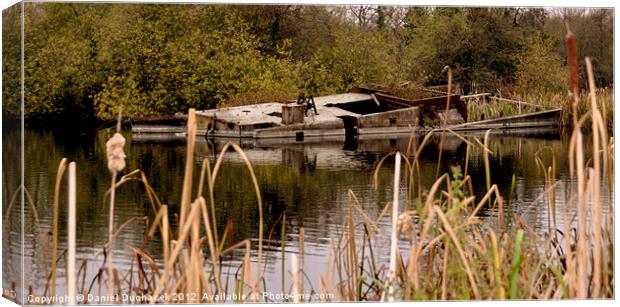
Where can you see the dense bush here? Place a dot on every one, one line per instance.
(539, 69)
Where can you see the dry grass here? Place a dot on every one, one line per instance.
(481, 108)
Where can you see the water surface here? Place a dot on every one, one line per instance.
(308, 182)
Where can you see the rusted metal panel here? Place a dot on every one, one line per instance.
(434, 102)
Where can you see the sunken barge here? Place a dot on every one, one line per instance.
(364, 111)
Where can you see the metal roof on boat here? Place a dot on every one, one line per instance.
(268, 112)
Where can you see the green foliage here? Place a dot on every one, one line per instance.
(594, 31)
(457, 179)
(61, 71)
(517, 260)
(357, 57)
(438, 39)
(11, 57)
(539, 69)
(84, 60)
(167, 72)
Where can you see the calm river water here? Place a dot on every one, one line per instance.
(308, 182)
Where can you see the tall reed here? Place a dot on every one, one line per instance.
(61, 169)
(116, 163)
(71, 233)
(394, 238)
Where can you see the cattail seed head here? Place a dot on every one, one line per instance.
(405, 222)
(115, 153)
(573, 64)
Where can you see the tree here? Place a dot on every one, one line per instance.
(11, 62)
(60, 66)
(436, 39)
(539, 69)
(84, 60)
(165, 69)
(594, 31)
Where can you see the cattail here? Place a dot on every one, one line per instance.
(405, 224)
(115, 153)
(116, 163)
(573, 65)
(573, 71)
(295, 269)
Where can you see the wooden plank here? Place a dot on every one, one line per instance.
(517, 102)
(476, 95)
(374, 98)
